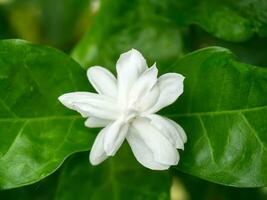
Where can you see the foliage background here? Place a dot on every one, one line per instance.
(96, 32)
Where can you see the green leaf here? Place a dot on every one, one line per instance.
(37, 133)
(120, 177)
(245, 51)
(234, 21)
(155, 27)
(224, 112)
(223, 22)
(219, 18)
(256, 12)
(121, 25)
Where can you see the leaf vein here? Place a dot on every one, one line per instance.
(66, 135)
(207, 138)
(40, 118)
(253, 131)
(17, 136)
(236, 111)
(8, 108)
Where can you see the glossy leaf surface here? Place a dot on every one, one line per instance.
(224, 113)
(36, 132)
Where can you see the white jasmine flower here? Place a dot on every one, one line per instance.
(125, 107)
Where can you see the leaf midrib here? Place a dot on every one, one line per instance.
(237, 111)
(69, 117)
(220, 112)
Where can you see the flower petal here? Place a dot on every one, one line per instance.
(171, 87)
(171, 130)
(141, 88)
(179, 129)
(97, 154)
(164, 152)
(94, 122)
(149, 99)
(142, 152)
(91, 104)
(129, 67)
(115, 136)
(103, 81)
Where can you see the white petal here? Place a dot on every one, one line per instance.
(91, 105)
(142, 87)
(94, 122)
(103, 81)
(129, 67)
(142, 152)
(97, 154)
(169, 128)
(164, 152)
(171, 87)
(149, 99)
(114, 137)
(179, 129)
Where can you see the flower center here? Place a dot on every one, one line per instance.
(129, 113)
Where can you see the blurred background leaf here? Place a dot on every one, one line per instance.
(216, 17)
(245, 51)
(121, 25)
(229, 20)
(173, 27)
(58, 23)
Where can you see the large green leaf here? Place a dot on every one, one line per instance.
(121, 25)
(224, 113)
(120, 177)
(37, 133)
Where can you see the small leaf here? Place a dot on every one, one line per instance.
(37, 133)
(118, 178)
(224, 113)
